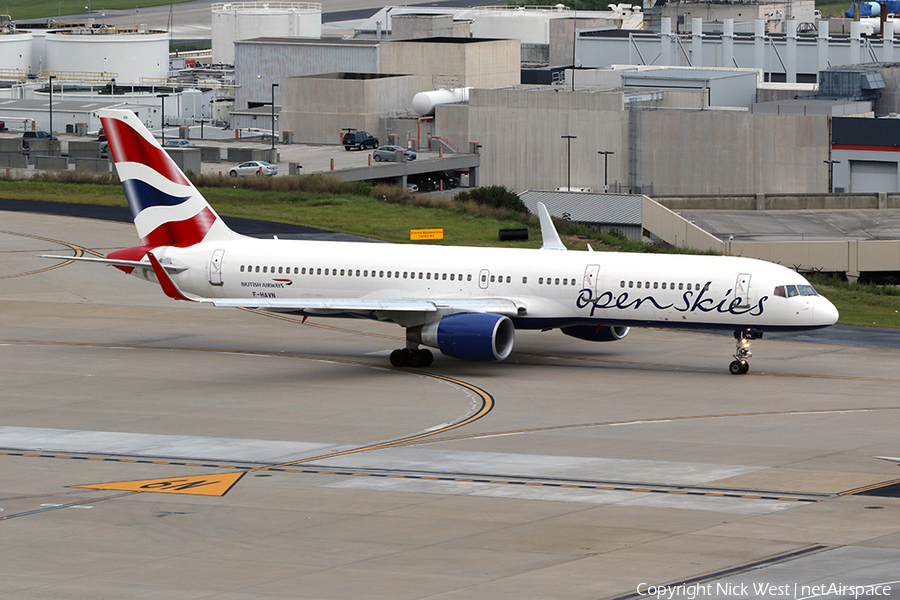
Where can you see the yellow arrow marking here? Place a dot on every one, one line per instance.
(201, 485)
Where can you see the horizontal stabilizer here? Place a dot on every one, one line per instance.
(116, 262)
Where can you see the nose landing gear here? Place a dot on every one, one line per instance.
(739, 365)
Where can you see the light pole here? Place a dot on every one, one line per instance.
(569, 139)
(274, 85)
(605, 154)
(52, 77)
(162, 116)
(831, 164)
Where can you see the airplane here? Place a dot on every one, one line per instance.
(466, 302)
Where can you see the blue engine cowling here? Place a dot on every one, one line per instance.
(596, 333)
(471, 336)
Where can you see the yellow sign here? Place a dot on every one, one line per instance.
(426, 234)
(201, 485)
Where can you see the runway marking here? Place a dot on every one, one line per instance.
(61, 506)
(472, 436)
(199, 485)
(168, 483)
(78, 250)
(487, 404)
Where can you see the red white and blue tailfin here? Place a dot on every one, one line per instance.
(167, 208)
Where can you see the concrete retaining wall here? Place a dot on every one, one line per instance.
(187, 159)
(94, 165)
(14, 161)
(51, 163)
(843, 256)
(782, 202)
(210, 153)
(239, 155)
(84, 149)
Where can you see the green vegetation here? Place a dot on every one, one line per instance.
(866, 305)
(388, 213)
(23, 9)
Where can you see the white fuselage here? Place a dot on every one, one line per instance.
(552, 288)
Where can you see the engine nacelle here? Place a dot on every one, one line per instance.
(470, 336)
(596, 333)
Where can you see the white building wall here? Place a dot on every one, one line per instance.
(236, 21)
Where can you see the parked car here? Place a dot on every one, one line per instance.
(253, 167)
(178, 144)
(424, 182)
(35, 135)
(359, 140)
(450, 180)
(389, 153)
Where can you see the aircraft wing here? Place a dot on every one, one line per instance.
(500, 306)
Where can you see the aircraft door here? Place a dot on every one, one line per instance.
(215, 267)
(483, 278)
(592, 279)
(742, 290)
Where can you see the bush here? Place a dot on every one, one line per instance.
(495, 196)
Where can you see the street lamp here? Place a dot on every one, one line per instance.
(274, 85)
(569, 139)
(52, 77)
(605, 154)
(831, 164)
(162, 116)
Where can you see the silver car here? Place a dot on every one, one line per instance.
(253, 167)
(389, 154)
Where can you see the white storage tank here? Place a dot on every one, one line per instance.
(235, 21)
(424, 102)
(15, 51)
(128, 57)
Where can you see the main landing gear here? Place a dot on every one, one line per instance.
(406, 357)
(739, 365)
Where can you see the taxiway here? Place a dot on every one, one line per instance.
(571, 470)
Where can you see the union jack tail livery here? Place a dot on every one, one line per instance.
(167, 208)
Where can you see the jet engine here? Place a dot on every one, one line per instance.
(470, 336)
(596, 333)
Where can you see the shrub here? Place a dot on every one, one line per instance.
(495, 196)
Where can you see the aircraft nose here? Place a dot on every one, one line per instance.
(824, 312)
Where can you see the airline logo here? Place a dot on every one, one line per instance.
(167, 209)
(692, 302)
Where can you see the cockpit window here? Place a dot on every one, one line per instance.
(806, 290)
(779, 291)
(792, 291)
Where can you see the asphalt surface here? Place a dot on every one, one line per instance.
(570, 470)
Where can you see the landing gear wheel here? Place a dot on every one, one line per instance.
(420, 358)
(738, 367)
(400, 357)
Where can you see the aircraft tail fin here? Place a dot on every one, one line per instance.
(167, 209)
